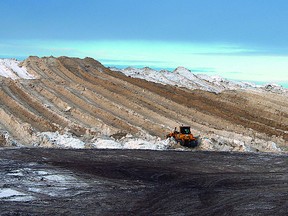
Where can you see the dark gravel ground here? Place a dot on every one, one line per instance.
(137, 182)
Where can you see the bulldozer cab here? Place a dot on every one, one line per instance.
(185, 130)
(184, 137)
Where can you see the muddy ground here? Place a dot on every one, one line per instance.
(138, 182)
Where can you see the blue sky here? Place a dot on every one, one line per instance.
(239, 39)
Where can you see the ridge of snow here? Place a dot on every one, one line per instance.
(183, 77)
(55, 139)
(10, 68)
(208, 142)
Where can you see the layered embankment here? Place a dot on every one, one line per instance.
(83, 98)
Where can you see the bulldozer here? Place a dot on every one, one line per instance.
(184, 137)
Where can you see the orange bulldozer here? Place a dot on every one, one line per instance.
(184, 137)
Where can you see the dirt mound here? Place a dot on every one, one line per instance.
(83, 98)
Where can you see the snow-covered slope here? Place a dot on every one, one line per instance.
(10, 68)
(182, 77)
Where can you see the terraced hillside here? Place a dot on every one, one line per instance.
(87, 100)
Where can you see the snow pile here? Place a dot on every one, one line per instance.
(130, 142)
(66, 140)
(209, 142)
(145, 144)
(182, 77)
(10, 68)
(101, 143)
(55, 139)
(237, 142)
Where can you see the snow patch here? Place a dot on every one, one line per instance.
(9, 194)
(4, 193)
(58, 178)
(10, 68)
(35, 183)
